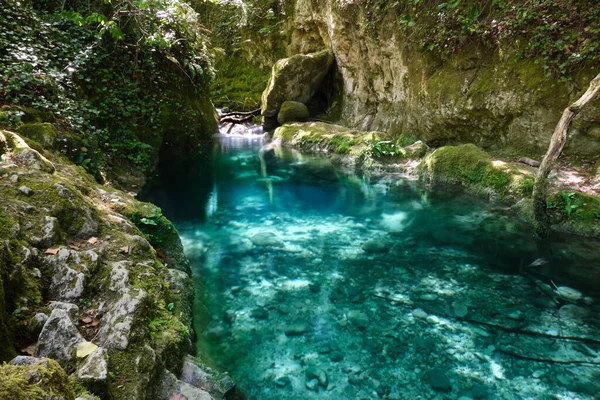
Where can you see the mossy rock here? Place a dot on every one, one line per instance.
(292, 111)
(44, 133)
(575, 212)
(7, 350)
(34, 379)
(295, 79)
(471, 166)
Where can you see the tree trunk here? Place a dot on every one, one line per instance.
(557, 144)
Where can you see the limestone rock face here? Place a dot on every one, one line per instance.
(58, 338)
(295, 79)
(476, 96)
(94, 371)
(292, 111)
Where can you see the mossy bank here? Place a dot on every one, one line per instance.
(467, 165)
(94, 287)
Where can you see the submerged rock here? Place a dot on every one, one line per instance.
(438, 380)
(374, 247)
(316, 373)
(358, 319)
(266, 239)
(296, 329)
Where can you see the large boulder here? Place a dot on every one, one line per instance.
(44, 133)
(296, 78)
(292, 111)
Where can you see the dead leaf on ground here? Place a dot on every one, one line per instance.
(125, 249)
(86, 320)
(92, 240)
(52, 251)
(95, 322)
(84, 349)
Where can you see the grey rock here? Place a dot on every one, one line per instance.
(71, 309)
(460, 309)
(50, 232)
(58, 338)
(94, 372)
(336, 356)
(26, 191)
(438, 380)
(358, 319)
(266, 239)
(67, 279)
(374, 247)
(260, 313)
(29, 158)
(218, 385)
(169, 384)
(419, 313)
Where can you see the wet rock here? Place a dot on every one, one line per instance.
(266, 239)
(358, 319)
(569, 294)
(292, 111)
(573, 313)
(416, 150)
(26, 191)
(374, 247)
(169, 385)
(317, 373)
(438, 380)
(296, 329)
(419, 313)
(58, 338)
(94, 371)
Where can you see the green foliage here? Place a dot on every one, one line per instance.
(153, 225)
(108, 71)
(570, 204)
(381, 148)
(561, 36)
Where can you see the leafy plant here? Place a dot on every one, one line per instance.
(570, 204)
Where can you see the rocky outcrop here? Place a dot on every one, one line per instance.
(296, 78)
(487, 96)
(67, 241)
(292, 111)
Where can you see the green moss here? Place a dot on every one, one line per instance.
(576, 207)
(43, 380)
(239, 83)
(7, 351)
(43, 133)
(28, 115)
(341, 144)
(471, 166)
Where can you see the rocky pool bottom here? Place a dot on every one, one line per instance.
(314, 282)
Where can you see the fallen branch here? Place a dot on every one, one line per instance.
(241, 113)
(545, 360)
(234, 120)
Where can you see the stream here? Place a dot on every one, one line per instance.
(315, 282)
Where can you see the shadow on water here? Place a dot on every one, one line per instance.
(316, 282)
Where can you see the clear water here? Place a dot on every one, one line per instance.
(319, 283)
